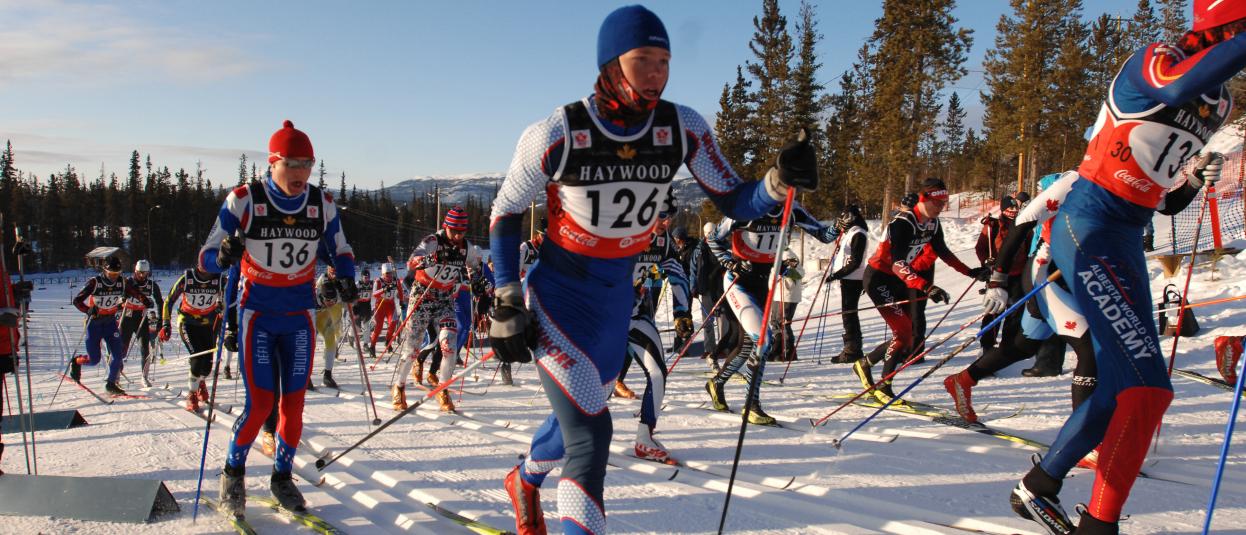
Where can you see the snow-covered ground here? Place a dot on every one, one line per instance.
(930, 478)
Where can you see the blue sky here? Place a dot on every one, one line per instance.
(386, 90)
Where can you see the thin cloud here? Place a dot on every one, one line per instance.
(63, 42)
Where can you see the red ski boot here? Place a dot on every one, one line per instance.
(526, 500)
(960, 386)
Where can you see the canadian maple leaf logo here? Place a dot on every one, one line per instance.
(627, 152)
(289, 220)
(1070, 325)
(1053, 205)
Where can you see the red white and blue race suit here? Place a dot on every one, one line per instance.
(442, 269)
(604, 185)
(757, 242)
(657, 262)
(107, 297)
(276, 307)
(1161, 109)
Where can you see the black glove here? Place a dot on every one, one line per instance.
(91, 312)
(980, 273)
(937, 294)
(347, 289)
(798, 163)
(834, 277)
(21, 291)
(7, 364)
(231, 338)
(230, 251)
(512, 328)
(8, 318)
(738, 266)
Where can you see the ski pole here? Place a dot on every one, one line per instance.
(25, 418)
(842, 312)
(821, 325)
(821, 281)
(1020, 302)
(216, 373)
(949, 310)
(324, 462)
(410, 312)
(753, 386)
(1176, 336)
(363, 370)
(70, 365)
(704, 321)
(1202, 304)
(912, 360)
(1224, 449)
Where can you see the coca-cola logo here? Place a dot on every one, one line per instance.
(1140, 184)
(577, 237)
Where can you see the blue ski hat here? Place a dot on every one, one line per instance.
(627, 28)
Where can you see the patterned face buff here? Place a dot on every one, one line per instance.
(617, 100)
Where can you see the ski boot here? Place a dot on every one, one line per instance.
(268, 443)
(649, 449)
(418, 372)
(960, 386)
(847, 357)
(75, 370)
(203, 392)
(1039, 371)
(1036, 498)
(756, 416)
(399, 395)
(621, 390)
(229, 374)
(1228, 353)
(506, 374)
(862, 370)
(192, 402)
(526, 501)
(287, 494)
(328, 379)
(233, 496)
(447, 405)
(372, 350)
(884, 394)
(717, 397)
(113, 388)
(1089, 525)
(433, 380)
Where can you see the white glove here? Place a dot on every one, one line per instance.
(1207, 169)
(996, 299)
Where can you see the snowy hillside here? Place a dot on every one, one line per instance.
(900, 475)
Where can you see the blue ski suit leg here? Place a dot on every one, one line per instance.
(104, 330)
(582, 336)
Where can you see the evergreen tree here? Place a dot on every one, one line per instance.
(771, 68)
(1144, 27)
(735, 138)
(321, 183)
(1173, 23)
(242, 169)
(134, 208)
(807, 100)
(917, 51)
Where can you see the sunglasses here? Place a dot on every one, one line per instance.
(299, 164)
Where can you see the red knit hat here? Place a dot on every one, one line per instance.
(289, 142)
(456, 219)
(1209, 14)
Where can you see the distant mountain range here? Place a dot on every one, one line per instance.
(456, 188)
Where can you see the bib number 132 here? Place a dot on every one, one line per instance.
(286, 254)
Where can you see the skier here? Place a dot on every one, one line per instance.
(329, 310)
(649, 282)
(142, 322)
(684, 249)
(386, 291)
(707, 273)
(1049, 313)
(605, 163)
(747, 251)
(994, 231)
(849, 266)
(12, 295)
(363, 306)
(891, 275)
(787, 296)
(276, 228)
(530, 250)
(101, 299)
(442, 262)
(645, 346)
(201, 294)
(1159, 112)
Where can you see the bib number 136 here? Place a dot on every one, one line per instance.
(286, 254)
